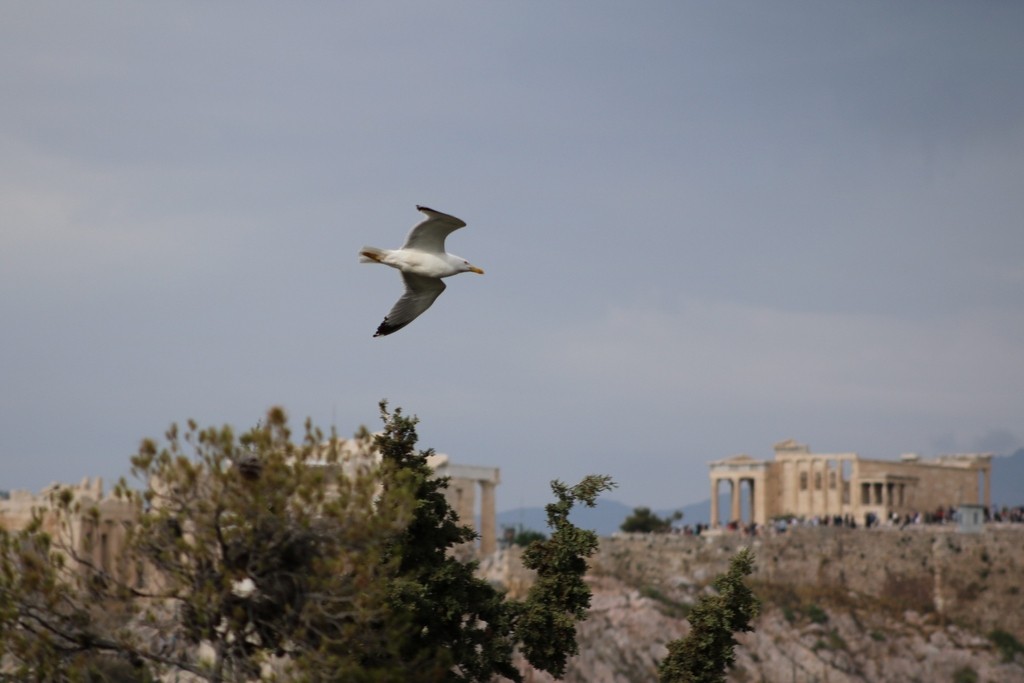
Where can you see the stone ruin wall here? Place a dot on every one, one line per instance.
(101, 543)
(934, 484)
(18, 506)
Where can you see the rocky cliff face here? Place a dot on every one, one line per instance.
(839, 606)
(858, 646)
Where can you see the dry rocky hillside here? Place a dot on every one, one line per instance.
(839, 605)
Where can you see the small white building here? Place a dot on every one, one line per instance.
(970, 518)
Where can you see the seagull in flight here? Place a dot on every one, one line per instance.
(423, 262)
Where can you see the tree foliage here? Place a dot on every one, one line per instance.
(644, 521)
(559, 597)
(255, 554)
(523, 537)
(704, 654)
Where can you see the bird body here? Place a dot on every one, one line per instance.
(423, 262)
(415, 261)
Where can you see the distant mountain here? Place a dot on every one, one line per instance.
(605, 518)
(1008, 479)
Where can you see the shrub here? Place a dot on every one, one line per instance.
(817, 614)
(965, 674)
(1007, 644)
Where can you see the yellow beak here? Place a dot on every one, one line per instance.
(474, 269)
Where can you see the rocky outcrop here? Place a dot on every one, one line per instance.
(863, 647)
(887, 607)
(622, 640)
(971, 579)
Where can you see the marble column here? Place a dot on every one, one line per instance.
(488, 523)
(714, 503)
(988, 487)
(735, 500)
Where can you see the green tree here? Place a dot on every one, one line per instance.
(559, 598)
(253, 550)
(704, 654)
(644, 521)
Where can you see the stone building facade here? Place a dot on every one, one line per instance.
(471, 489)
(805, 484)
(463, 484)
(97, 539)
(100, 539)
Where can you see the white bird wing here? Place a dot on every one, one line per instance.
(420, 293)
(430, 234)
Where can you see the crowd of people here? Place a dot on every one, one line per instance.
(941, 515)
(1005, 514)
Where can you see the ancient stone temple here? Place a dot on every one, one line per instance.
(97, 539)
(102, 539)
(463, 483)
(800, 483)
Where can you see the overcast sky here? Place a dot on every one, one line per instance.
(706, 227)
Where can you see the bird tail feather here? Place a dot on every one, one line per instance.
(371, 255)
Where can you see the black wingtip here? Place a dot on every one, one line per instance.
(386, 328)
